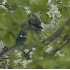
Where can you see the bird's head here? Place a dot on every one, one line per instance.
(34, 21)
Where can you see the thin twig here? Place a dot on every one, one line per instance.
(58, 49)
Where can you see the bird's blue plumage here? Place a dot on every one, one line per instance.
(21, 38)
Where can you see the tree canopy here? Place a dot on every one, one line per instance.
(53, 52)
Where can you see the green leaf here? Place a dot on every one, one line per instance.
(68, 10)
(65, 2)
(66, 50)
(2, 11)
(38, 5)
(45, 18)
(9, 2)
(19, 16)
(4, 22)
(32, 65)
(9, 40)
(22, 2)
(2, 33)
(48, 63)
(29, 38)
(18, 2)
(64, 13)
(15, 31)
(1, 1)
(38, 53)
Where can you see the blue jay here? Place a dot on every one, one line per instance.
(34, 24)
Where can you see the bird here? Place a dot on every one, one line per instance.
(33, 24)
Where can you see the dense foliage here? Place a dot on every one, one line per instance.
(54, 49)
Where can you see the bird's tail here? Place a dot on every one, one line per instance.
(5, 49)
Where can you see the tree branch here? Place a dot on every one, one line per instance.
(56, 34)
